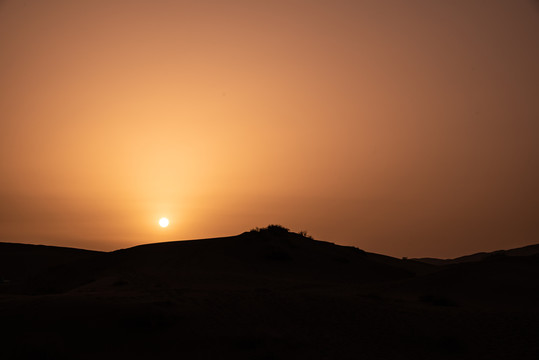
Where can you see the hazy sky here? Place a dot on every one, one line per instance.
(409, 128)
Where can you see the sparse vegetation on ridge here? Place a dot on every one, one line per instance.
(273, 228)
(279, 229)
(305, 235)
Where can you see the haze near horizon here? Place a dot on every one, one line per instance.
(403, 128)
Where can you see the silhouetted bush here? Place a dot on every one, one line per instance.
(305, 235)
(275, 229)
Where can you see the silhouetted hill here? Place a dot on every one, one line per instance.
(266, 294)
(522, 251)
(496, 281)
(20, 262)
(247, 260)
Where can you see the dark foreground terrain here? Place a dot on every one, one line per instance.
(268, 294)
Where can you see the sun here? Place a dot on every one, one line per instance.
(163, 222)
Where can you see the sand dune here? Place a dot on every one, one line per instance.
(269, 294)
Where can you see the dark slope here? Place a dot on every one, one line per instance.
(271, 295)
(522, 251)
(254, 256)
(411, 265)
(495, 282)
(19, 259)
(253, 259)
(19, 263)
(503, 278)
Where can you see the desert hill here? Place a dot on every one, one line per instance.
(522, 251)
(272, 256)
(264, 294)
(19, 262)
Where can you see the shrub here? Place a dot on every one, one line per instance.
(271, 228)
(277, 229)
(305, 235)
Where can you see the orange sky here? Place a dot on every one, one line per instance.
(408, 128)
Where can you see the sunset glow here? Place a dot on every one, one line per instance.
(408, 129)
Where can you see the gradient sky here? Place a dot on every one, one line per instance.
(409, 128)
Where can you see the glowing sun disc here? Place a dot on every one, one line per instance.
(163, 222)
